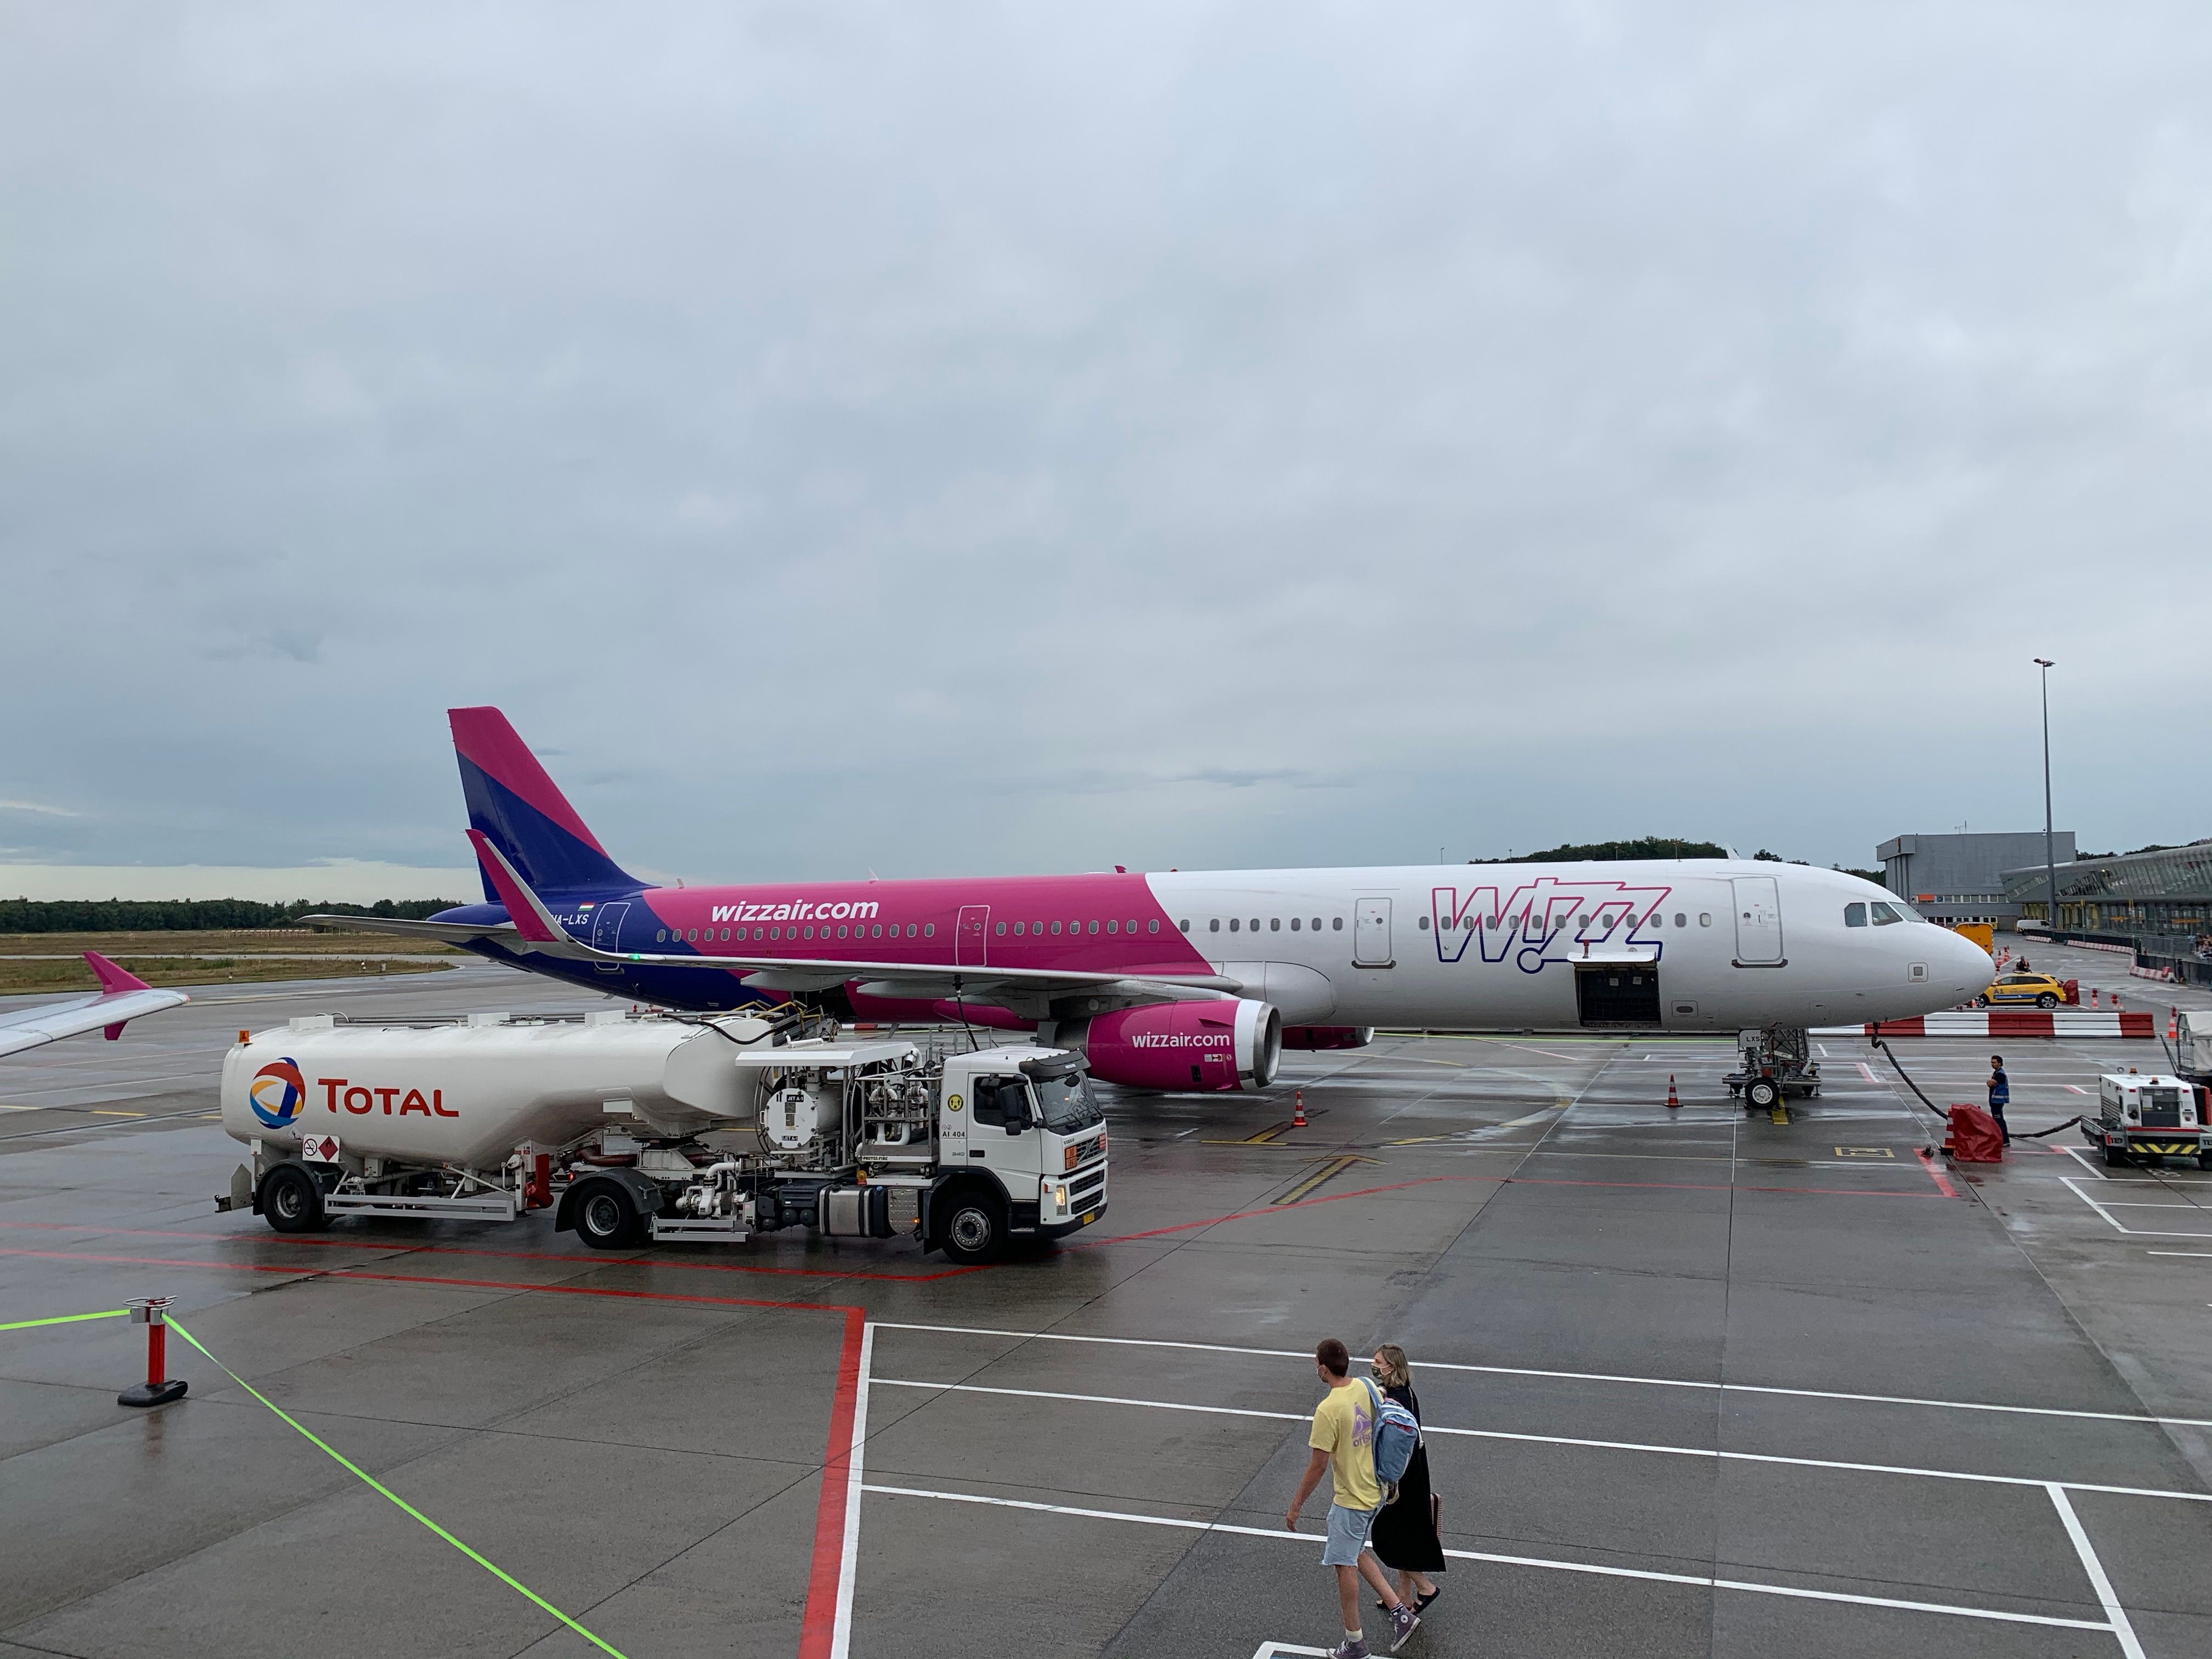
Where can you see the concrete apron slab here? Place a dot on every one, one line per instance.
(655, 1466)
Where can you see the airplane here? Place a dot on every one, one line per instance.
(122, 997)
(1196, 981)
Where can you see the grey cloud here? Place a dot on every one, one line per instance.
(956, 439)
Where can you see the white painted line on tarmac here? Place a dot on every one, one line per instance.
(1694, 1580)
(2201, 1253)
(1575, 1376)
(2117, 1614)
(2120, 1226)
(1565, 1440)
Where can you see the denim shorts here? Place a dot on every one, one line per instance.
(1348, 1535)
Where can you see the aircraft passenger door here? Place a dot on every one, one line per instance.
(1371, 934)
(606, 933)
(1758, 921)
(972, 939)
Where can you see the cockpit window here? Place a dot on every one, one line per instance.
(1855, 915)
(1884, 915)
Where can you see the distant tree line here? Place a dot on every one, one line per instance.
(1611, 852)
(23, 915)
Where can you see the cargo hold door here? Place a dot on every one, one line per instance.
(1758, 922)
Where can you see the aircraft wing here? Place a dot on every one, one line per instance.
(124, 997)
(443, 932)
(534, 928)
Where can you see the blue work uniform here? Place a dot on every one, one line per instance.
(2000, 1097)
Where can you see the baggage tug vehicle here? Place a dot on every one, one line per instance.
(647, 1129)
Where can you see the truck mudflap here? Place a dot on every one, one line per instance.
(644, 1191)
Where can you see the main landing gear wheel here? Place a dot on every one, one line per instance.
(606, 1219)
(292, 1200)
(1762, 1094)
(975, 1231)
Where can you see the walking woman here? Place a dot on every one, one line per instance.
(1405, 1531)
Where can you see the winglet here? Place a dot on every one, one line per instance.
(113, 979)
(532, 920)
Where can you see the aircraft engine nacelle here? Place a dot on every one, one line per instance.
(1221, 1047)
(1327, 1036)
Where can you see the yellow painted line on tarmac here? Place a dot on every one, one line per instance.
(1264, 1135)
(1328, 1172)
(99, 1112)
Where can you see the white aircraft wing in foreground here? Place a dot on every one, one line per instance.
(121, 997)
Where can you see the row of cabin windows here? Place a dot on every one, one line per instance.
(1238, 923)
(1112, 925)
(1655, 920)
(691, 936)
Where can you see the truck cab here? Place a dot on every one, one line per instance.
(2151, 1116)
(1021, 1152)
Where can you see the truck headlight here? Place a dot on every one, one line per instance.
(1060, 1198)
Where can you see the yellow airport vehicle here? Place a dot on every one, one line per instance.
(2018, 990)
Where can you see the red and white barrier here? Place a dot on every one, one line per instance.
(2008, 1023)
(2165, 975)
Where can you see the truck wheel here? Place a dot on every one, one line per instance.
(606, 1219)
(975, 1231)
(1762, 1094)
(2046, 1000)
(2115, 1158)
(292, 1200)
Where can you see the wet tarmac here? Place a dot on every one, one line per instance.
(1696, 1382)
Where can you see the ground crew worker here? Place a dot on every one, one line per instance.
(1343, 1442)
(2000, 1095)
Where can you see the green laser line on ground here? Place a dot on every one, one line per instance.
(64, 1319)
(371, 1481)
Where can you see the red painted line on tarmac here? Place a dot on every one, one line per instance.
(1501, 1181)
(818, 1624)
(655, 1260)
(1942, 1182)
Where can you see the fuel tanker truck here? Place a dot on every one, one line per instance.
(641, 1129)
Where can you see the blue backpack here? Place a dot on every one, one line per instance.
(1397, 1432)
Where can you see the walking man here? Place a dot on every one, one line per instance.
(2000, 1095)
(1343, 1443)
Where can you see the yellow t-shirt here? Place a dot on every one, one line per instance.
(1344, 1427)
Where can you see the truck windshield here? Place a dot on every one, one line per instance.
(1065, 1102)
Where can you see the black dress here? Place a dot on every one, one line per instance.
(1404, 1537)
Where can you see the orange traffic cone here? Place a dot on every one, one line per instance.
(2173, 1024)
(1298, 1110)
(1673, 1099)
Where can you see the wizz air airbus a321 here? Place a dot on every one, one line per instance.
(1196, 981)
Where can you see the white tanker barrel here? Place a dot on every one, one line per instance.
(468, 1094)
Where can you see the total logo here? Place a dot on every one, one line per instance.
(277, 1092)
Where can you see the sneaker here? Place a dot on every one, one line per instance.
(1350, 1649)
(1403, 1622)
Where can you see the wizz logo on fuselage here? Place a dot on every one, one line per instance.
(1540, 921)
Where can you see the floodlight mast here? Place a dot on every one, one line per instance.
(2049, 863)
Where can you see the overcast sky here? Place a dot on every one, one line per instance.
(943, 438)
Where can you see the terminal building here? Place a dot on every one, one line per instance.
(1952, 878)
(2159, 899)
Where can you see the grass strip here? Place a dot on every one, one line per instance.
(371, 1481)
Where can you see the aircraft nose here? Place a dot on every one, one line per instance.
(1962, 965)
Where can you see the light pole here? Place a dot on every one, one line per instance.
(2049, 863)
